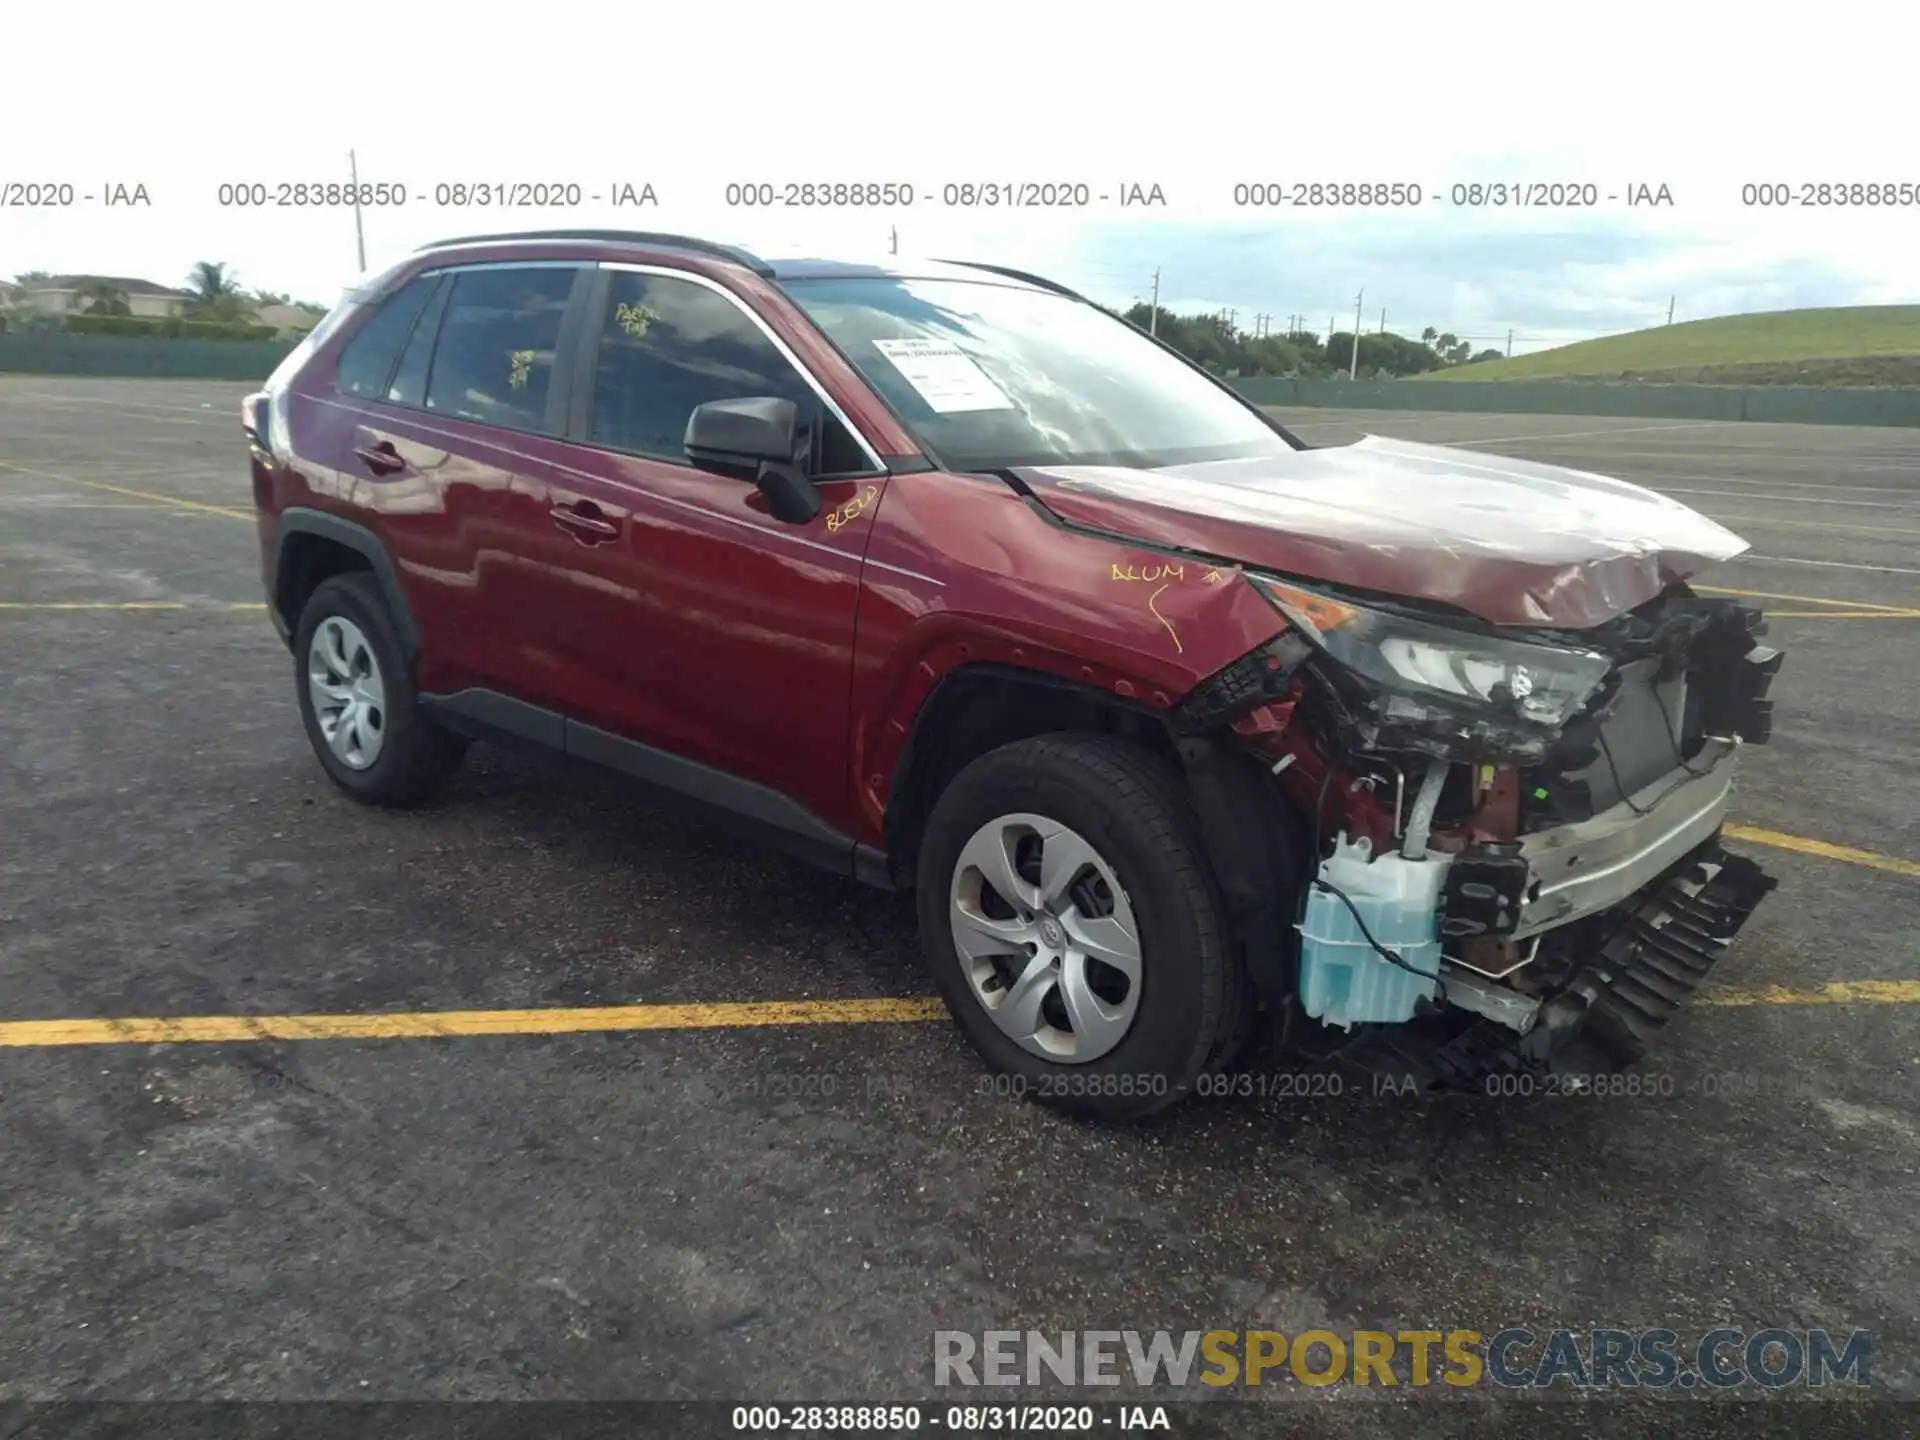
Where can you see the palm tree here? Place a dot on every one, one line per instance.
(103, 297)
(216, 292)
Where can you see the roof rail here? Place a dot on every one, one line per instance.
(1040, 280)
(734, 253)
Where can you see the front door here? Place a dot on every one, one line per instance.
(689, 619)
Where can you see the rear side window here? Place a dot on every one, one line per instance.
(409, 383)
(367, 359)
(493, 359)
(668, 345)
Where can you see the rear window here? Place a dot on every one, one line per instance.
(368, 357)
(409, 383)
(493, 358)
(350, 303)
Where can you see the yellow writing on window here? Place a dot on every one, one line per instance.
(636, 320)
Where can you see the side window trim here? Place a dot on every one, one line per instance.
(433, 313)
(585, 359)
(578, 419)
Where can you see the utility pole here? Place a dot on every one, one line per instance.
(1353, 366)
(359, 230)
(1509, 344)
(893, 240)
(1383, 319)
(1670, 300)
(1153, 316)
(1330, 320)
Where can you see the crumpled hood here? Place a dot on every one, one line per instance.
(1512, 541)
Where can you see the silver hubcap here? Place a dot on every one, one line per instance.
(349, 699)
(1046, 938)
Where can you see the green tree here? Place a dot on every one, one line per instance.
(103, 297)
(216, 293)
(1429, 335)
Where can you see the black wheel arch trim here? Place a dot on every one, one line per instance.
(903, 790)
(300, 520)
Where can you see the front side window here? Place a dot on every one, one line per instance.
(494, 355)
(668, 345)
(367, 359)
(991, 376)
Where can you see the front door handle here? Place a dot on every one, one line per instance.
(381, 459)
(584, 525)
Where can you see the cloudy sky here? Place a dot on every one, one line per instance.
(1194, 98)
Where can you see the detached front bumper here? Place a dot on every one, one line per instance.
(1593, 865)
(1646, 893)
(1670, 940)
(1661, 945)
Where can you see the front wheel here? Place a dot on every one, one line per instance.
(1073, 928)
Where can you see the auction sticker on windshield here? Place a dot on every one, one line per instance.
(945, 376)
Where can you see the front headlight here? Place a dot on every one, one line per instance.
(1541, 684)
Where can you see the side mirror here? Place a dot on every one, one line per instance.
(761, 434)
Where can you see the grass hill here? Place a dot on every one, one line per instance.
(1875, 345)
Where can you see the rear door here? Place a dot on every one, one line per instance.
(688, 618)
(454, 442)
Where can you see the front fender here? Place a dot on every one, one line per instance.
(1006, 585)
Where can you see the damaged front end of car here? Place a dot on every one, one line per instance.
(1500, 848)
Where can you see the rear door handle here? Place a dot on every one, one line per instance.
(381, 459)
(584, 525)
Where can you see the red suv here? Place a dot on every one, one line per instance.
(1184, 731)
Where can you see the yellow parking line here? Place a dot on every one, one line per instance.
(152, 495)
(1805, 599)
(1840, 992)
(426, 1024)
(1825, 849)
(229, 1029)
(1843, 614)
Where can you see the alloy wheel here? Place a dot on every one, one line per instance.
(349, 697)
(1046, 938)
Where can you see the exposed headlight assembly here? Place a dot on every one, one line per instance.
(1539, 685)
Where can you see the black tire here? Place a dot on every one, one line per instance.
(1133, 808)
(416, 756)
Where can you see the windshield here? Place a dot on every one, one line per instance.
(991, 377)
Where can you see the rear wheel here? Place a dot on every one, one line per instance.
(1073, 928)
(357, 699)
